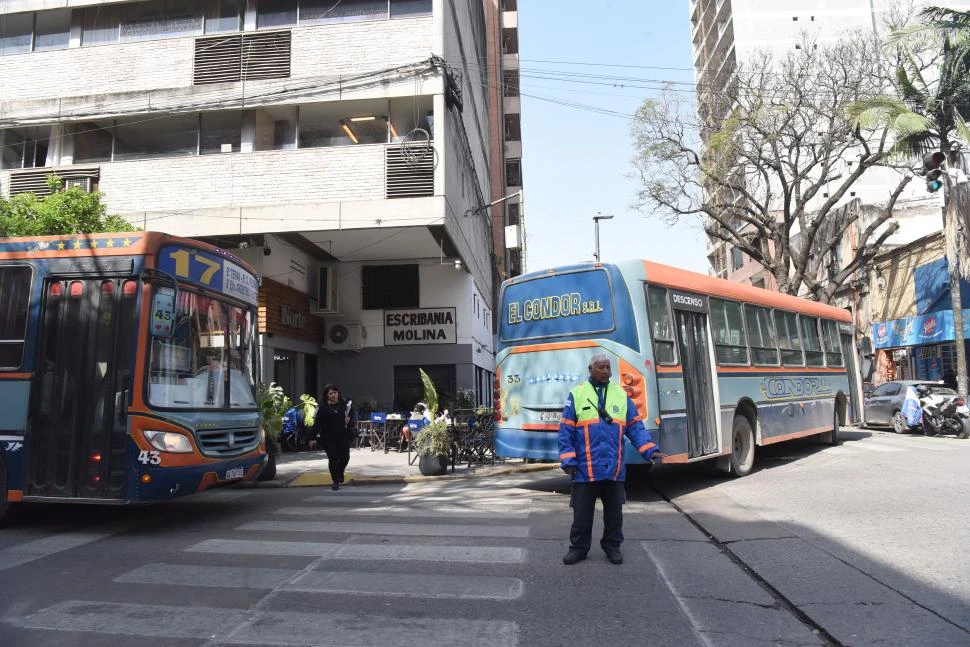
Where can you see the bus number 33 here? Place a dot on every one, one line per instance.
(149, 458)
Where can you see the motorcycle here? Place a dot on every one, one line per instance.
(943, 413)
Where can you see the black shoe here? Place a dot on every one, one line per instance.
(614, 555)
(335, 486)
(574, 556)
(340, 480)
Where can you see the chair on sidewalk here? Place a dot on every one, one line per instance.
(379, 431)
(365, 433)
(414, 426)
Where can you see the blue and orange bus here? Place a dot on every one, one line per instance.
(127, 368)
(716, 368)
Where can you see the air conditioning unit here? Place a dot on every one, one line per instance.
(343, 335)
(324, 292)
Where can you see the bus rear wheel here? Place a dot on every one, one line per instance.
(742, 447)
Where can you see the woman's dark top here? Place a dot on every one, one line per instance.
(329, 422)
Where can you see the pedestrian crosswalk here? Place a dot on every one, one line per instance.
(357, 544)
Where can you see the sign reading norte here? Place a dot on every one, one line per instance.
(420, 326)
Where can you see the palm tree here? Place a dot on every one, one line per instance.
(927, 116)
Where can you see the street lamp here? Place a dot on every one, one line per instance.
(596, 223)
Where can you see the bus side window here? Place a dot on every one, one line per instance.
(811, 341)
(660, 327)
(789, 341)
(833, 349)
(730, 345)
(761, 335)
(15, 295)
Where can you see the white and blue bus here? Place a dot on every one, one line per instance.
(715, 368)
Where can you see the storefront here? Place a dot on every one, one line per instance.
(921, 347)
(290, 338)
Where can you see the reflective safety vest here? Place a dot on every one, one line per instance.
(587, 403)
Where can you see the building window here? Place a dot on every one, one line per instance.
(160, 19)
(16, 33)
(510, 83)
(510, 41)
(737, 259)
(513, 129)
(93, 141)
(275, 13)
(220, 132)
(513, 213)
(222, 16)
(24, 147)
(52, 30)
(326, 11)
(141, 137)
(513, 172)
(410, 8)
(15, 293)
(390, 286)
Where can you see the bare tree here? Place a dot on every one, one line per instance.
(772, 157)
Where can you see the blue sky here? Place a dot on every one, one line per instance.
(578, 162)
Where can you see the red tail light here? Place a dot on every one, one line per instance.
(497, 402)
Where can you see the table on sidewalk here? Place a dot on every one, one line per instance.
(385, 431)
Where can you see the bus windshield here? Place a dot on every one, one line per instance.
(207, 363)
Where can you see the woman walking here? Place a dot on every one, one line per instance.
(333, 428)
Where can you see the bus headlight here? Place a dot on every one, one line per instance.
(167, 441)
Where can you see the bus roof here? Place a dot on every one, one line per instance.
(680, 279)
(688, 281)
(102, 244)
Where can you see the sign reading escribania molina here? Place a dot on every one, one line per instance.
(420, 326)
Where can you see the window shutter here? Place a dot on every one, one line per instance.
(225, 59)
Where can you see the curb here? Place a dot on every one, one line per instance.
(320, 479)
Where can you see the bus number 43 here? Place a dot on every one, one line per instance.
(149, 458)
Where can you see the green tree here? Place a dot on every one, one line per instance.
(927, 114)
(64, 211)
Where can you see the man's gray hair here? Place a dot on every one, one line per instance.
(597, 358)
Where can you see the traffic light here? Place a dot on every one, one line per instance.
(933, 170)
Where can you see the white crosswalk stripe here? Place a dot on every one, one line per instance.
(240, 627)
(343, 564)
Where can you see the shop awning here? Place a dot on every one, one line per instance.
(929, 328)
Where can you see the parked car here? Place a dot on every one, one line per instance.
(884, 406)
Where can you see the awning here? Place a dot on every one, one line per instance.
(930, 328)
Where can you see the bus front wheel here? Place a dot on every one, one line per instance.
(742, 447)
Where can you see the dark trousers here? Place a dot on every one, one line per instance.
(583, 500)
(338, 455)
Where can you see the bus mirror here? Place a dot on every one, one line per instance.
(163, 312)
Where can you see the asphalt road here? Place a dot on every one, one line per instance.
(858, 544)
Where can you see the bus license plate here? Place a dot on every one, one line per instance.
(234, 473)
(550, 416)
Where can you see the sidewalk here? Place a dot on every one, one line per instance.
(298, 469)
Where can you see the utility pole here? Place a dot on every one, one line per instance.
(951, 247)
(596, 227)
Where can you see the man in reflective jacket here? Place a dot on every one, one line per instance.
(597, 416)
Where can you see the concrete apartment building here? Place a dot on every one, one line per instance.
(343, 149)
(726, 32)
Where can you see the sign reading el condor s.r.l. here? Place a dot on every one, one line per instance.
(209, 270)
(420, 326)
(560, 304)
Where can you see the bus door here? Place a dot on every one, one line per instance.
(690, 318)
(76, 439)
(851, 366)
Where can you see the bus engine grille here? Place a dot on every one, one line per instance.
(227, 442)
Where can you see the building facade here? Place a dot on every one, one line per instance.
(344, 149)
(727, 32)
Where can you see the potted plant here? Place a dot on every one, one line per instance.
(273, 404)
(433, 442)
